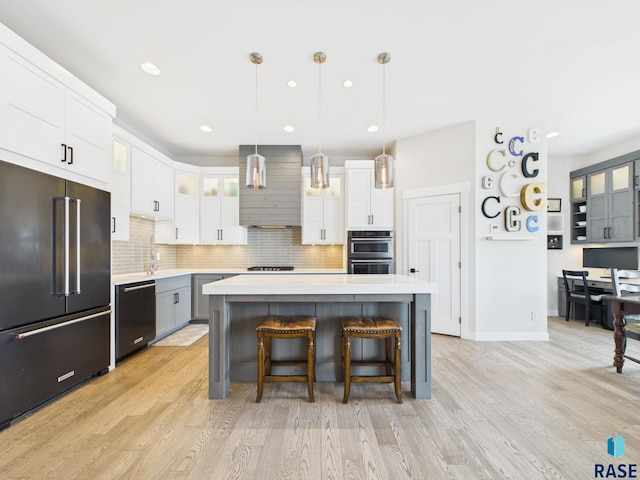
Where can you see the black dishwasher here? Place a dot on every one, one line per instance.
(135, 317)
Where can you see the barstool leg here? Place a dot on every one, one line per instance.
(267, 368)
(260, 367)
(397, 371)
(346, 347)
(387, 355)
(310, 366)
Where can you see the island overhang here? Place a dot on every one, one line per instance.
(330, 284)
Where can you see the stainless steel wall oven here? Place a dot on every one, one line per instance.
(370, 252)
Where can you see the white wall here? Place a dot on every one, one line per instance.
(507, 279)
(510, 274)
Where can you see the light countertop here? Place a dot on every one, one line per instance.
(176, 272)
(318, 284)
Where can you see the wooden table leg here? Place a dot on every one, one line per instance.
(620, 342)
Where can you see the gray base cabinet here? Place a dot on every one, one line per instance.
(201, 301)
(173, 304)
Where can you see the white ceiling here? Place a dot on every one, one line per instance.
(572, 63)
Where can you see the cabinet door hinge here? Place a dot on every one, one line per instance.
(459, 264)
(459, 320)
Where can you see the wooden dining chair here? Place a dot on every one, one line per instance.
(631, 322)
(578, 292)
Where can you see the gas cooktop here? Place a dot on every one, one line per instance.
(275, 268)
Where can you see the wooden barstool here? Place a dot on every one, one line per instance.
(365, 327)
(285, 327)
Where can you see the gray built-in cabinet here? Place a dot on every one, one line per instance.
(200, 300)
(604, 201)
(173, 304)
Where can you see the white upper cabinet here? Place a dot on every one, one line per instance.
(88, 138)
(45, 120)
(152, 185)
(120, 190)
(368, 208)
(220, 207)
(323, 210)
(186, 216)
(183, 228)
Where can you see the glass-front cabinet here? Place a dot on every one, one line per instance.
(578, 187)
(186, 207)
(323, 210)
(220, 209)
(120, 190)
(610, 205)
(604, 201)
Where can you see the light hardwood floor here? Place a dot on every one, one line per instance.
(520, 410)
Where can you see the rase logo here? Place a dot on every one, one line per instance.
(615, 448)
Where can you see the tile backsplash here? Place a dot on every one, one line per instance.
(265, 247)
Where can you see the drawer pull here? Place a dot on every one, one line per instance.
(20, 336)
(138, 287)
(70, 374)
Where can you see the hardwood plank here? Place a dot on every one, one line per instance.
(535, 410)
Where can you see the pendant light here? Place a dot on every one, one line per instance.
(319, 161)
(384, 162)
(256, 170)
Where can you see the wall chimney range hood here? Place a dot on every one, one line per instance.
(279, 204)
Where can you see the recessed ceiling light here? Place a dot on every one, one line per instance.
(372, 128)
(552, 134)
(292, 83)
(150, 68)
(347, 84)
(288, 128)
(206, 128)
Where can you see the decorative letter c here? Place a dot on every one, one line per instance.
(493, 169)
(484, 204)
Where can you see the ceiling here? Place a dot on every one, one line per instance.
(572, 64)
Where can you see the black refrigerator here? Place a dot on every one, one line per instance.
(55, 281)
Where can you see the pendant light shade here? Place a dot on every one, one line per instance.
(320, 171)
(256, 171)
(319, 161)
(384, 171)
(256, 168)
(383, 163)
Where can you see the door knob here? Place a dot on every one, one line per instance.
(413, 270)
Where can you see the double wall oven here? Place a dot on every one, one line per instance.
(370, 251)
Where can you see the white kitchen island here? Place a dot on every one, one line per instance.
(239, 303)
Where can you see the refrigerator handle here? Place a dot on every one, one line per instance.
(65, 253)
(78, 244)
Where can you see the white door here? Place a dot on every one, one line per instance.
(434, 254)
